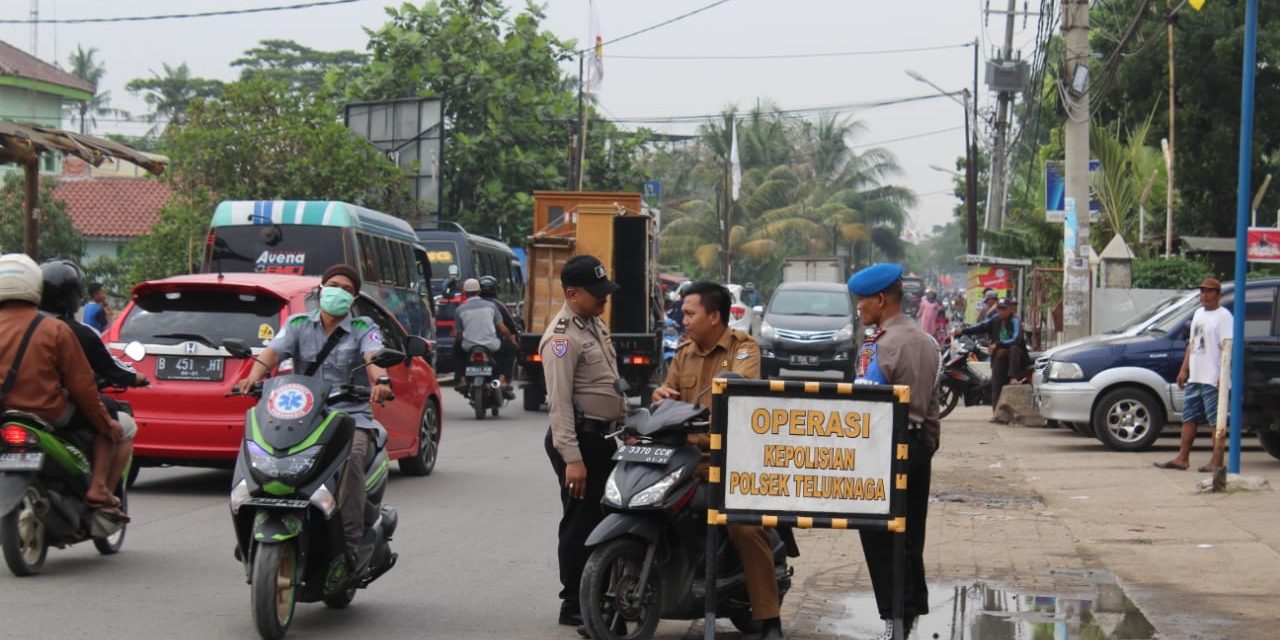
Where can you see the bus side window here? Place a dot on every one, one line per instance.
(504, 277)
(517, 281)
(387, 263)
(369, 258)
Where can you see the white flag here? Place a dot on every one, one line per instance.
(595, 60)
(733, 162)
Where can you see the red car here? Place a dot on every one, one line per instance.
(184, 417)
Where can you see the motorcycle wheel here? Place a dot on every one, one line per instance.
(948, 397)
(22, 534)
(111, 544)
(742, 621)
(273, 591)
(609, 581)
(477, 397)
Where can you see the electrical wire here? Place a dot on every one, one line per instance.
(791, 56)
(653, 26)
(175, 16)
(793, 113)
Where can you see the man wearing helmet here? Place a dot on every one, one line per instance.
(507, 351)
(53, 368)
(63, 292)
(477, 323)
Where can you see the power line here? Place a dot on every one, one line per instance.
(790, 56)
(656, 26)
(910, 137)
(792, 113)
(173, 16)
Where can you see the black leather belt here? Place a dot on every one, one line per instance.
(596, 427)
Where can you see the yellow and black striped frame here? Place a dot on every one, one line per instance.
(722, 389)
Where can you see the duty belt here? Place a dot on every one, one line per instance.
(596, 427)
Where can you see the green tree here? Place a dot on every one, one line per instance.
(509, 111)
(171, 94)
(260, 141)
(1128, 165)
(58, 235)
(299, 67)
(84, 65)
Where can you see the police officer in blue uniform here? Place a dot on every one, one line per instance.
(355, 341)
(899, 353)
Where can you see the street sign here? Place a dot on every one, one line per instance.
(652, 190)
(1055, 192)
(1264, 244)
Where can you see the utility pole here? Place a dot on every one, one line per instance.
(1168, 153)
(970, 162)
(1076, 290)
(999, 154)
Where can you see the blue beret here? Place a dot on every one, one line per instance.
(874, 279)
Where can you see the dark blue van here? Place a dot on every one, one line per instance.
(1125, 390)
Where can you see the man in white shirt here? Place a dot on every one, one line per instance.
(1211, 327)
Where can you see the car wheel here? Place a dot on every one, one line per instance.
(423, 462)
(1128, 419)
(1270, 442)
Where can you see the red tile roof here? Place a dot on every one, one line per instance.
(16, 62)
(113, 207)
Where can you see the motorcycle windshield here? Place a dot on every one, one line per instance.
(291, 410)
(668, 414)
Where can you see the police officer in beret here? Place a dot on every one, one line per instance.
(899, 353)
(580, 367)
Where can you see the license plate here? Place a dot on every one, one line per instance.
(479, 371)
(281, 503)
(804, 360)
(30, 461)
(189, 368)
(648, 454)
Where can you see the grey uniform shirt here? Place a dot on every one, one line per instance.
(478, 322)
(907, 355)
(302, 339)
(580, 365)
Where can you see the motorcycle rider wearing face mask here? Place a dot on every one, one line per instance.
(63, 294)
(302, 339)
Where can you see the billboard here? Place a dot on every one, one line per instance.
(1055, 191)
(1263, 245)
(411, 133)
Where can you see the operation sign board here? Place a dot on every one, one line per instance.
(809, 454)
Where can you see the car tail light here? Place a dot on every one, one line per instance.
(537, 357)
(638, 359)
(444, 324)
(478, 356)
(14, 434)
(738, 311)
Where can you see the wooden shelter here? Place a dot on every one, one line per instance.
(23, 144)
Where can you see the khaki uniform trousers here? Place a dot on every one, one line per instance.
(753, 548)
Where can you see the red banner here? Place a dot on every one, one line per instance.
(1264, 245)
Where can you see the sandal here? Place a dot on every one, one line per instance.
(109, 511)
(1169, 465)
(1208, 469)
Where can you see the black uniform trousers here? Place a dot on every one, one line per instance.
(581, 516)
(877, 546)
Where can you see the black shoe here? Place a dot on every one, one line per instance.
(569, 615)
(582, 631)
(772, 633)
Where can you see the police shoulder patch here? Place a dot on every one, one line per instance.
(559, 347)
(743, 354)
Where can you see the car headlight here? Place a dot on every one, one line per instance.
(766, 331)
(287, 468)
(1064, 371)
(845, 333)
(657, 491)
(611, 493)
(239, 496)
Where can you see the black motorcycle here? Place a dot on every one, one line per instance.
(485, 388)
(648, 555)
(966, 374)
(284, 497)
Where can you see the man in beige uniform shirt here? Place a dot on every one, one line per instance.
(580, 367)
(714, 347)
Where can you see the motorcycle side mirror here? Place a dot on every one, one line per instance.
(622, 386)
(237, 348)
(388, 358)
(758, 309)
(135, 351)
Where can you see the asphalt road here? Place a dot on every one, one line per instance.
(476, 541)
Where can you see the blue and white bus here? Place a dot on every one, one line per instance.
(306, 237)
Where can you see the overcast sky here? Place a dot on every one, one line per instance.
(633, 88)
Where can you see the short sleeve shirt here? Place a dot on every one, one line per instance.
(303, 337)
(479, 319)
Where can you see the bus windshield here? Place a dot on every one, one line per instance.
(284, 249)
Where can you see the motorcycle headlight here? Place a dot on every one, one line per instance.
(1064, 371)
(656, 492)
(287, 468)
(845, 333)
(611, 493)
(324, 501)
(239, 495)
(767, 332)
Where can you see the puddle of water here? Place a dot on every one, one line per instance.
(1084, 606)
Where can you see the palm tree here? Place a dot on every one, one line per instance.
(1128, 164)
(85, 66)
(171, 93)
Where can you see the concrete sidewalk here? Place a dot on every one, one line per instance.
(1024, 520)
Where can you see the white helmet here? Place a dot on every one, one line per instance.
(20, 278)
